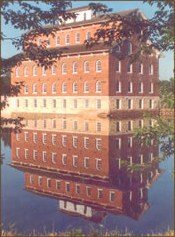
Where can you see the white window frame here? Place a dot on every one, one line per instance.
(98, 104)
(151, 69)
(64, 140)
(54, 69)
(86, 67)
(98, 66)
(86, 87)
(75, 141)
(44, 156)
(118, 101)
(34, 88)
(151, 89)
(130, 87)
(140, 87)
(75, 87)
(67, 39)
(77, 38)
(54, 88)
(119, 87)
(17, 72)
(64, 159)
(17, 152)
(35, 71)
(53, 138)
(119, 66)
(26, 136)
(98, 144)
(98, 87)
(35, 154)
(98, 126)
(86, 142)
(35, 137)
(54, 157)
(43, 71)
(26, 88)
(26, 153)
(130, 65)
(26, 71)
(75, 161)
(86, 162)
(44, 138)
(44, 88)
(75, 68)
(64, 87)
(140, 69)
(112, 193)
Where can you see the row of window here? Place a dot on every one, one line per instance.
(98, 87)
(64, 69)
(86, 69)
(60, 184)
(54, 158)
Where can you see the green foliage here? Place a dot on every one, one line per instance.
(166, 88)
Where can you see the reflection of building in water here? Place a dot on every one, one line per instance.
(83, 167)
(93, 79)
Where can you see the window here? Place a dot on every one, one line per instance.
(34, 70)
(44, 103)
(54, 157)
(140, 68)
(26, 136)
(141, 159)
(141, 123)
(140, 103)
(98, 164)
(54, 139)
(140, 87)
(86, 162)
(98, 87)
(35, 137)
(44, 71)
(129, 125)
(64, 123)
(151, 104)
(58, 40)
(44, 156)
(129, 48)
(39, 180)
(88, 191)
(86, 87)
(75, 68)
(45, 123)
(129, 67)
(54, 103)
(75, 125)
(77, 38)
(54, 69)
(35, 103)
(118, 66)
(26, 153)
(98, 144)
(64, 68)
(86, 142)
(75, 161)
(118, 143)
(130, 160)
(44, 88)
(67, 39)
(118, 104)
(98, 104)
(150, 69)
(98, 126)
(31, 179)
(17, 103)
(54, 88)
(58, 184)
(118, 126)
(151, 87)
(17, 72)
(130, 103)
(75, 142)
(77, 188)
(48, 182)
(86, 103)
(34, 88)
(26, 103)
(26, 89)
(64, 159)
(44, 138)
(17, 136)
(64, 140)
(86, 66)
(26, 71)
(75, 87)
(64, 87)
(86, 126)
(100, 193)
(112, 196)
(35, 154)
(17, 152)
(64, 103)
(67, 187)
(130, 87)
(53, 123)
(98, 66)
(118, 86)
(88, 35)
(129, 142)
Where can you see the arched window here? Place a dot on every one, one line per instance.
(44, 71)
(54, 88)
(54, 69)
(44, 90)
(26, 89)
(67, 39)
(34, 70)
(77, 38)
(58, 40)
(86, 66)
(86, 87)
(75, 87)
(64, 87)
(26, 71)
(34, 88)
(98, 66)
(88, 35)
(98, 86)
(17, 72)
(64, 68)
(75, 67)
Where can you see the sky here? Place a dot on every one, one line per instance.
(166, 65)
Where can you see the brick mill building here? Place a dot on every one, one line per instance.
(80, 162)
(87, 79)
